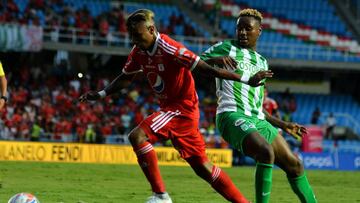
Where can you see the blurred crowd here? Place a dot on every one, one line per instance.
(43, 105)
(56, 13)
(61, 17)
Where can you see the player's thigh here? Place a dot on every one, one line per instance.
(157, 125)
(266, 130)
(234, 128)
(258, 148)
(258, 144)
(189, 145)
(285, 158)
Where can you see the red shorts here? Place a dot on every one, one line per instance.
(181, 129)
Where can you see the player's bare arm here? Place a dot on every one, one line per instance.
(293, 129)
(230, 64)
(223, 61)
(113, 87)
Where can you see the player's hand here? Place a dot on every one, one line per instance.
(295, 130)
(226, 62)
(256, 79)
(89, 96)
(229, 62)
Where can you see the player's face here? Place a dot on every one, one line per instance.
(142, 36)
(248, 31)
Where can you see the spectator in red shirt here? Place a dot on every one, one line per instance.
(270, 105)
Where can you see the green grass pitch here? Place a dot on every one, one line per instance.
(90, 183)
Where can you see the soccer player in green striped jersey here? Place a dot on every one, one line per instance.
(240, 116)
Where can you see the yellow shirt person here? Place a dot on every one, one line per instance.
(3, 87)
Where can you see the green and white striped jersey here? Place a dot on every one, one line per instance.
(237, 96)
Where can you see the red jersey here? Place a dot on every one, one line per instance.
(270, 105)
(168, 69)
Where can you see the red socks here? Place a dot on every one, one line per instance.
(222, 183)
(219, 180)
(147, 160)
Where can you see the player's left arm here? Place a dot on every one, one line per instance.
(191, 60)
(254, 80)
(291, 128)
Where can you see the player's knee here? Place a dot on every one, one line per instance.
(137, 137)
(265, 154)
(296, 168)
(201, 166)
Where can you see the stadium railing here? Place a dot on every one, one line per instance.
(196, 44)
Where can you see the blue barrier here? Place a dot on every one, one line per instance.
(331, 161)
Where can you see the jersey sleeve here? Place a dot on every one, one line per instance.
(181, 54)
(216, 50)
(2, 73)
(186, 57)
(131, 66)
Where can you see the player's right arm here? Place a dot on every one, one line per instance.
(223, 73)
(130, 68)
(217, 58)
(113, 87)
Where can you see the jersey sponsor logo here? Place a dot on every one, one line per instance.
(156, 82)
(248, 67)
(149, 60)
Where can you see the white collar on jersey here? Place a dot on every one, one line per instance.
(155, 45)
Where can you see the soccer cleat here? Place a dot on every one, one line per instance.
(159, 198)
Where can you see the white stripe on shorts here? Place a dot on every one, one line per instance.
(163, 120)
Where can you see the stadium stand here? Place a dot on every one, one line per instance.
(302, 30)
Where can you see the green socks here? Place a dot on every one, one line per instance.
(263, 181)
(300, 185)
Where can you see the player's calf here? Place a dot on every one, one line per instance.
(218, 179)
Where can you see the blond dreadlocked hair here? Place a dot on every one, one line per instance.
(251, 13)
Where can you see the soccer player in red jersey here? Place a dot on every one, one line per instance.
(167, 65)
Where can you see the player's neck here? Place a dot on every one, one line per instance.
(253, 48)
(153, 44)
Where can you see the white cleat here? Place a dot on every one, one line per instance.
(159, 198)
